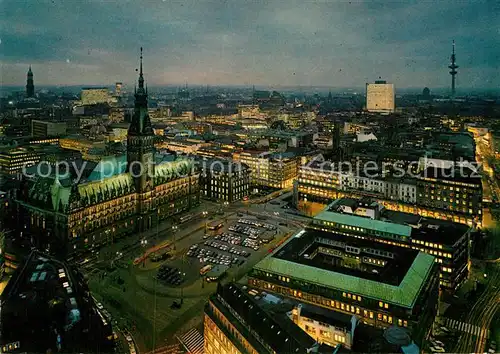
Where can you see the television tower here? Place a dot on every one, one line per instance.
(453, 71)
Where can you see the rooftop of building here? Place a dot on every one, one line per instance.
(334, 318)
(394, 222)
(46, 299)
(462, 174)
(399, 282)
(278, 332)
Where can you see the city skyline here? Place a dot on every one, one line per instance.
(260, 43)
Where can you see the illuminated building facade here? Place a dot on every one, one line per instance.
(90, 96)
(224, 180)
(275, 170)
(44, 129)
(439, 196)
(12, 160)
(235, 323)
(380, 97)
(329, 327)
(455, 191)
(121, 196)
(381, 284)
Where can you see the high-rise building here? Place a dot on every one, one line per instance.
(30, 86)
(380, 97)
(118, 88)
(224, 180)
(43, 129)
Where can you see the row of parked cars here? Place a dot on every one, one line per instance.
(256, 224)
(250, 242)
(245, 230)
(226, 248)
(253, 244)
(228, 238)
(170, 275)
(205, 255)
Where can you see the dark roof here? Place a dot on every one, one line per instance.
(440, 231)
(46, 298)
(334, 318)
(283, 336)
(465, 174)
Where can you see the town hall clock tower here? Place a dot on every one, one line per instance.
(140, 155)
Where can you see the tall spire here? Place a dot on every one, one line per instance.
(140, 123)
(30, 86)
(141, 76)
(453, 72)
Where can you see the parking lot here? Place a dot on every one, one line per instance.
(232, 244)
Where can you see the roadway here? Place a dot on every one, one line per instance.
(134, 295)
(481, 315)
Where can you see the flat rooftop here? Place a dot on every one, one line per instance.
(281, 334)
(395, 222)
(398, 282)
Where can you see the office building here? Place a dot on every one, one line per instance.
(224, 180)
(454, 192)
(380, 97)
(235, 323)
(47, 308)
(90, 96)
(451, 193)
(13, 159)
(274, 170)
(447, 241)
(43, 129)
(118, 88)
(381, 284)
(121, 196)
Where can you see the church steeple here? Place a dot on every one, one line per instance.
(30, 87)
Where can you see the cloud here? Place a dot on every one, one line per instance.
(312, 42)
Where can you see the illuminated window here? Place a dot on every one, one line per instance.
(380, 304)
(405, 323)
(386, 306)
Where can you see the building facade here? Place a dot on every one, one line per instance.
(380, 97)
(90, 96)
(224, 180)
(43, 129)
(441, 196)
(447, 241)
(235, 323)
(275, 170)
(133, 194)
(380, 284)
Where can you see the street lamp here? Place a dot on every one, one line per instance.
(205, 214)
(182, 287)
(174, 230)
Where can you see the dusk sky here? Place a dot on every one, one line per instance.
(246, 42)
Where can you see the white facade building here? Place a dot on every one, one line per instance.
(380, 97)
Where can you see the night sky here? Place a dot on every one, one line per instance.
(246, 42)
